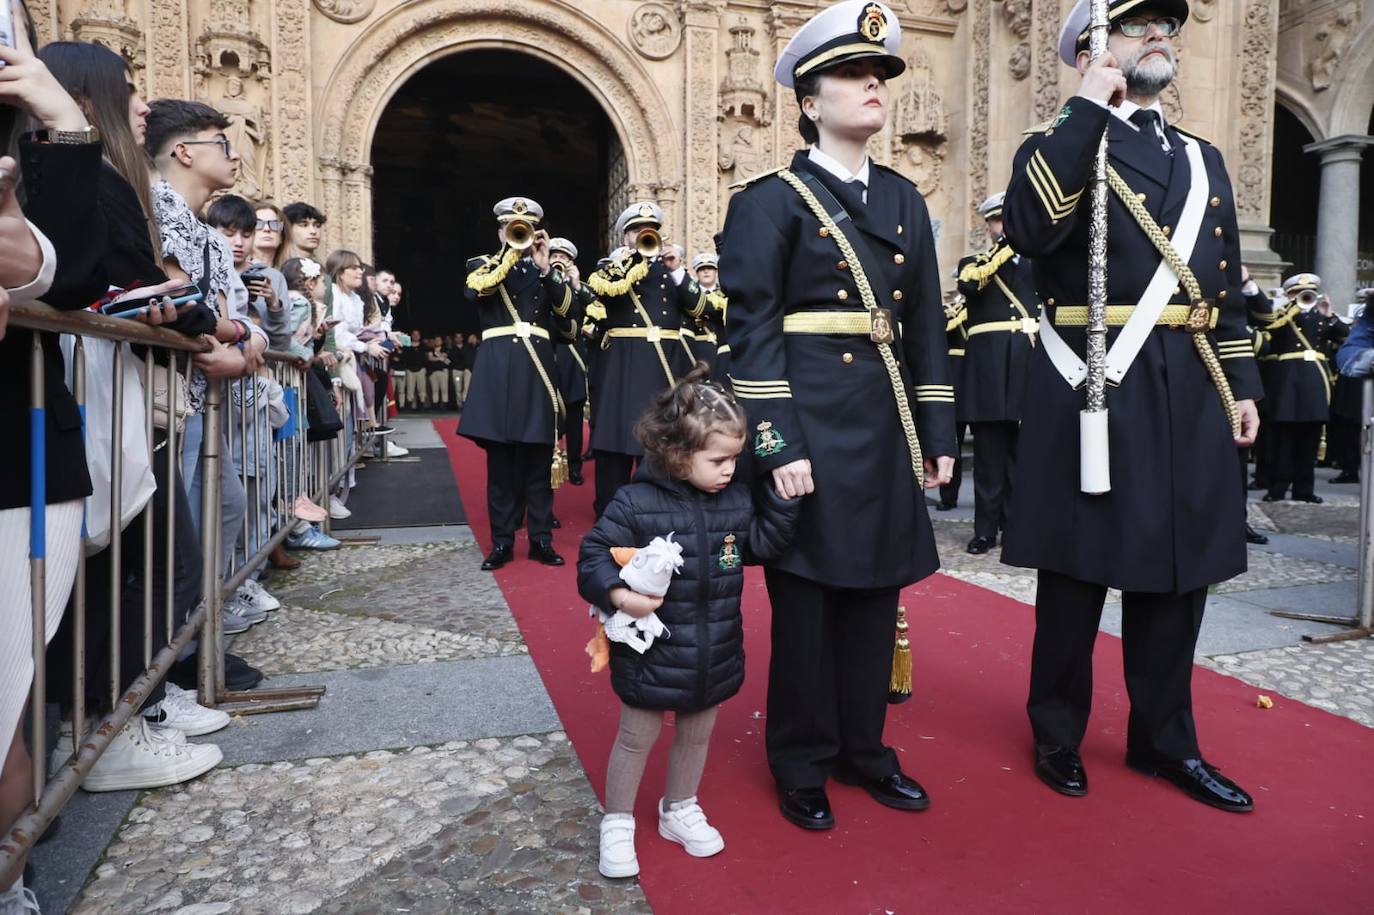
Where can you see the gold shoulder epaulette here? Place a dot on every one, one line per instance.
(1039, 128)
(981, 270)
(616, 280)
(492, 271)
(759, 177)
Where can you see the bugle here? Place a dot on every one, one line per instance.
(648, 243)
(518, 234)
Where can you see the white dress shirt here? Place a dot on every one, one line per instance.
(832, 165)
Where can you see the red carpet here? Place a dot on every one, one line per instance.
(995, 839)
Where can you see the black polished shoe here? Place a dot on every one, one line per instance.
(239, 675)
(575, 477)
(557, 525)
(946, 506)
(1254, 536)
(808, 808)
(1200, 780)
(498, 557)
(897, 790)
(1062, 769)
(544, 553)
(980, 545)
(1346, 477)
(1311, 498)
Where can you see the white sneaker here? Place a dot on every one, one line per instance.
(237, 606)
(18, 900)
(256, 596)
(337, 510)
(394, 450)
(145, 756)
(618, 846)
(684, 822)
(180, 710)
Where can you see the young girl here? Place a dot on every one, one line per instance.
(692, 435)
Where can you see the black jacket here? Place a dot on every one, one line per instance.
(700, 662)
(1299, 352)
(999, 293)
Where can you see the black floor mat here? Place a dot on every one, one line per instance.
(405, 493)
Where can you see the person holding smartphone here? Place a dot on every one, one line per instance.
(259, 286)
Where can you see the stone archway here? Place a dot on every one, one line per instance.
(406, 39)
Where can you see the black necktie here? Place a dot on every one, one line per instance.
(1148, 122)
(859, 189)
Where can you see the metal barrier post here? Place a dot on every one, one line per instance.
(38, 539)
(211, 650)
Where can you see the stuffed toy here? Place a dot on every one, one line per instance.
(647, 570)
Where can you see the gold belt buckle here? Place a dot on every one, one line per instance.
(522, 329)
(880, 325)
(1200, 318)
(1030, 326)
(1309, 355)
(653, 333)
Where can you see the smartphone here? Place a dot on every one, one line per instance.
(139, 309)
(112, 308)
(330, 322)
(253, 274)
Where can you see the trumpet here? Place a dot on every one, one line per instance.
(518, 234)
(1308, 297)
(559, 270)
(648, 243)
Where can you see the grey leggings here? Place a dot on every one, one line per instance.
(639, 730)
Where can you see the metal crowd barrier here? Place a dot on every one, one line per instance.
(273, 473)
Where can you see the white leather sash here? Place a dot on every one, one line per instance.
(1156, 296)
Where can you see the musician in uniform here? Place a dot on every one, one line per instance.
(1182, 381)
(641, 349)
(513, 409)
(956, 337)
(710, 328)
(1302, 342)
(837, 352)
(1003, 319)
(570, 353)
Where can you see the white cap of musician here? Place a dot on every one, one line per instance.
(637, 215)
(706, 259)
(844, 32)
(518, 208)
(1301, 282)
(992, 207)
(562, 244)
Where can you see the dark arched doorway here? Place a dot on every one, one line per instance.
(469, 130)
(1296, 192)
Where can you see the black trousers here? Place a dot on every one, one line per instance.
(949, 493)
(517, 483)
(613, 470)
(1343, 443)
(1244, 485)
(1295, 457)
(994, 451)
(828, 680)
(1263, 450)
(1159, 633)
(572, 431)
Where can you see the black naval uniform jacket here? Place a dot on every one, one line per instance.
(828, 398)
(507, 402)
(995, 361)
(629, 372)
(570, 352)
(956, 338)
(1298, 388)
(710, 332)
(1172, 455)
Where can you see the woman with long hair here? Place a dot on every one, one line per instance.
(837, 345)
(268, 246)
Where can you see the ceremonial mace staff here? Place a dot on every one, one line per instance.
(1094, 466)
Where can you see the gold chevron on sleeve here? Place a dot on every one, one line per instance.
(1057, 204)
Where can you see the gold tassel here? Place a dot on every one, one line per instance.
(603, 285)
(983, 271)
(1321, 446)
(489, 276)
(899, 686)
(558, 472)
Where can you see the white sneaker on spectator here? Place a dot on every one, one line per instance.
(180, 710)
(393, 450)
(18, 900)
(241, 612)
(618, 857)
(684, 822)
(255, 595)
(144, 756)
(337, 510)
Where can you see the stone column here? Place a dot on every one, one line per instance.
(1338, 213)
(702, 27)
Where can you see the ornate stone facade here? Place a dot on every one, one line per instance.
(687, 86)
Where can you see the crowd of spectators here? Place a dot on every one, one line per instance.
(107, 199)
(433, 376)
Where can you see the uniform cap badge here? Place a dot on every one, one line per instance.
(646, 211)
(520, 207)
(873, 23)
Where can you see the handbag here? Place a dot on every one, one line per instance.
(166, 409)
(322, 421)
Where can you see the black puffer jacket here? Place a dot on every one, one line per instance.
(701, 661)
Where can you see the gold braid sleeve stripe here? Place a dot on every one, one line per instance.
(982, 272)
(490, 275)
(1185, 274)
(1057, 204)
(562, 309)
(885, 350)
(603, 285)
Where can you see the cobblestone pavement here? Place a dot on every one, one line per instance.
(1335, 519)
(1336, 676)
(468, 826)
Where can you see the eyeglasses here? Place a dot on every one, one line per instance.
(271, 225)
(221, 142)
(1137, 26)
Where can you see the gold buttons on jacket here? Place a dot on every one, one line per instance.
(897, 294)
(842, 295)
(825, 233)
(899, 258)
(847, 358)
(1050, 302)
(899, 228)
(1221, 294)
(1222, 265)
(1215, 201)
(1167, 230)
(1217, 231)
(1140, 196)
(842, 265)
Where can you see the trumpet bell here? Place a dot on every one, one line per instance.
(648, 243)
(1307, 298)
(519, 234)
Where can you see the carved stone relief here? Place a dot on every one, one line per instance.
(655, 31)
(346, 11)
(292, 146)
(920, 123)
(1018, 16)
(745, 111)
(703, 143)
(248, 132)
(107, 23)
(981, 11)
(1254, 141)
(1045, 63)
(1329, 41)
(1171, 100)
(1204, 10)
